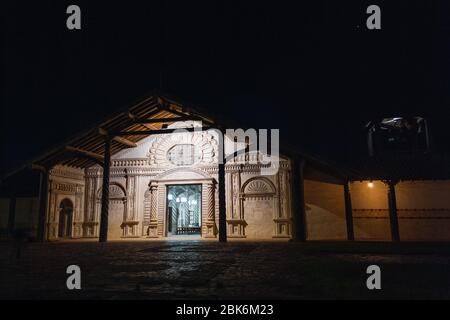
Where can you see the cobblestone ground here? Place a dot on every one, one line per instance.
(212, 270)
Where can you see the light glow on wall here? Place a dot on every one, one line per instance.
(370, 184)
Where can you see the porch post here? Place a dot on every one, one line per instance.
(348, 212)
(221, 185)
(222, 205)
(12, 213)
(393, 216)
(298, 200)
(43, 200)
(105, 192)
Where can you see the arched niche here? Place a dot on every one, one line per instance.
(259, 205)
(117, 211)
(258, 186)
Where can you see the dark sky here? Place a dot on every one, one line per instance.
(311, 69)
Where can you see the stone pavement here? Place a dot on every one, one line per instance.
(212, 270)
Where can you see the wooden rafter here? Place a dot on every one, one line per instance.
(166, 107)
(167, 120)
(118, 139)
(162, 131)
(85, 153)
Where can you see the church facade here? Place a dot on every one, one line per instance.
(158, 164)
(168, 186)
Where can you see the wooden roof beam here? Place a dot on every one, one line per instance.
(147, 125)
(124, 141)
(118, 139)
(167, 120)
(131, 116)
(85, 153)
(185, 112)
(162, 131)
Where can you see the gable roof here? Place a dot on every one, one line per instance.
(152, 113)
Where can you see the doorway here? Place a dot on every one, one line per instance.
(184, 203)
(65, 218)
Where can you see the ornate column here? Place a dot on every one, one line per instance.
(130, 223)
(222, 203)
(236, 221)
(77, 213)
(281, 201)
(161, 194)
(90, 223)
(152, 230)
(209, 207)
(53, 214)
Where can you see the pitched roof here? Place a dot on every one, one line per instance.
(150, 114)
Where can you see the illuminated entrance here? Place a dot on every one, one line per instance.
(184, 209)
(65, 219)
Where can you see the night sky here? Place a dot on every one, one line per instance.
(312, 69)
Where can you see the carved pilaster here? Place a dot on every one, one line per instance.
(210, 208)
(52, 222)
(130, 223)
(235, 223)
(229, 193)
(152, 230)
(236, 186)
(131, 194)
(281, 206)
(160, 211)
(78, 213)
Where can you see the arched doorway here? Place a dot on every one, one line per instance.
(65, 218)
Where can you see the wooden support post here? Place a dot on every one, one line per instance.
(43, 201)
(105, 192)
(12, 213)
(348, 212)
(298, 200)
(393, 217)
(222, 200)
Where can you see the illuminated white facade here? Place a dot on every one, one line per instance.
(258, 207)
